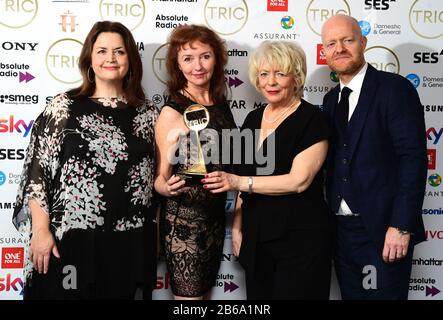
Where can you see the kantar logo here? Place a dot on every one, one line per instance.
(226, 17)
(17, 13)
(159, 63)
(426, 18)
(318, 11)
(383, 59)
(62, 60)
(129, 12)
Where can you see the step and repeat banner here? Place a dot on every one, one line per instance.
(40, 42)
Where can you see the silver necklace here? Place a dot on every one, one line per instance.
(285, 111)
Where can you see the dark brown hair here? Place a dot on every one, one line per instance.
(189, 34)
(132, 82)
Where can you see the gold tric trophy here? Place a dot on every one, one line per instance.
(196, 118)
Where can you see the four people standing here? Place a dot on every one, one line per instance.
(87, 190)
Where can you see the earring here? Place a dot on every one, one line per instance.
(89, 78)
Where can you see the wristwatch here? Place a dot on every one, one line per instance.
(250, 181)
(402, 232)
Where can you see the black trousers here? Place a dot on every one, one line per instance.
(296, 267)
(361, 272)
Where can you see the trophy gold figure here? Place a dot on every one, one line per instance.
(196, 118)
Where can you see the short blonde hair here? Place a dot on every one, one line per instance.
(287, 57)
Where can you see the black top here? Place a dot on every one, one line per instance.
(268, 217)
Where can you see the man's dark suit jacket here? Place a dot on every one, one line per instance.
(387, 155)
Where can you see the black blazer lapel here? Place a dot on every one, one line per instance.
(367, 95)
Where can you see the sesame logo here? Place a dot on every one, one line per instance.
(17, 13)
(129, 12)
(383, 59)
(226, 17)
(318, 11)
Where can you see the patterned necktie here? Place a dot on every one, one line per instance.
(343, 108)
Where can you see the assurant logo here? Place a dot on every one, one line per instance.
(287, 22)
(17, 13)
(226, 17)
(129, 12)
(318, 11)
(434, 180)
(426, 18)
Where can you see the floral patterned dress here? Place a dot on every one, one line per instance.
(90, 166)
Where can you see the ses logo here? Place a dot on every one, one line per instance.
(12, 125)
(432, 159)
(433, 135)
(427, 57)
(378, 4)
(426, 18)
(13, 257)
(278, 5)
(7, 283)
(17, 13)
(226, 17)
(129, 12)
(434, 180)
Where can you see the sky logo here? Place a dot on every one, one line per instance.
(414, 79)
(12, 125)
(433, 135)
(287, 22)
(8, 284)
(2, 178)
(365, 27)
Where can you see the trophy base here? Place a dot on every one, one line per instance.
(191, 179)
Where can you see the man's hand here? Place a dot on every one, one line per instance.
(396, 245)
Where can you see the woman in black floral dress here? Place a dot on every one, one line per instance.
(192, 223)
(86, 198)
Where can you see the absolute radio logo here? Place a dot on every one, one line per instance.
(425, 285)
(12, 257)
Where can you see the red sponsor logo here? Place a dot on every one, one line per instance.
(278, 5)
(321, 58)
(434, 234)
(12, 258)
(162, 282)
(432, 159)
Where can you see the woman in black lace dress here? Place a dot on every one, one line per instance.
(192, 223)
(86, 196)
